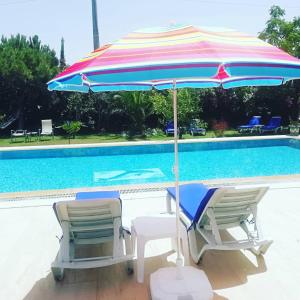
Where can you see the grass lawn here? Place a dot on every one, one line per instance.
(101, 138)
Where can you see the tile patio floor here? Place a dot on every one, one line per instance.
(29, 244)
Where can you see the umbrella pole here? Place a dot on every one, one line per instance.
(179, 282)
(179, 261)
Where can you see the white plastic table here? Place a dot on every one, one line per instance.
(148, 228)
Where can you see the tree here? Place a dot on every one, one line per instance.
(25, 67)
(230, 105)
(136, 107)
(281, 33)
(62, 59)
(80, 107)
(285, 35)
(189, 105)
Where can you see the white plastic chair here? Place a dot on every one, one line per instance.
(227, 208)
(91, 222)
(17, 133)
(47, 128)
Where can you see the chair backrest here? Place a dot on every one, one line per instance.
(47, 126)
(255, 120)
(90, 218)
(19, 131)
(232, 206)
(170, 125)
(275, 122)
(195, 123)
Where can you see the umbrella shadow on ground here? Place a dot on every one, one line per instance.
(109, 283)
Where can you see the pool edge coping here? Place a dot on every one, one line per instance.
(142, 143)
(155, 186)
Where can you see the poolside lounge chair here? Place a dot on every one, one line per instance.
(94, 221)
(17, 133)
(47, 128)
(195, 128)
(207, 212)
(169, 129)
(252, 124)
(274, 125)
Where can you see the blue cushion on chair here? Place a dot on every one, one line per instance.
(97, 195)
(193, 199)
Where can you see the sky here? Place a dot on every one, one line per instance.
(71, 19)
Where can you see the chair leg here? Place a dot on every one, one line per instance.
(185, 245)
(195, 251)
(128, 250)
(174, 243)
(58, 273)
(264, 248)
(193, 245)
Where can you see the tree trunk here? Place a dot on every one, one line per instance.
(20, 113)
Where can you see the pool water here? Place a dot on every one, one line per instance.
(29, 170)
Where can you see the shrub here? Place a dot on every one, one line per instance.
(71, 128)
(219, 127)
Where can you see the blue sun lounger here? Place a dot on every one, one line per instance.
(252, 124)
(97, 195)
(169, 129)
(274, 125)
(206, 212)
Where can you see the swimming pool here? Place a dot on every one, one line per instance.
(29, 170)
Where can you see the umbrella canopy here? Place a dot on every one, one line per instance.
(195, 57)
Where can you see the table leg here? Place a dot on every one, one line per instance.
(133, 239)
(174, 243)
(168, 204)
(140, 259)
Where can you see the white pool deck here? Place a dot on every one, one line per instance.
(29, 245)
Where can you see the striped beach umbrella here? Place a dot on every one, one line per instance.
(194, 57)
(179, 57)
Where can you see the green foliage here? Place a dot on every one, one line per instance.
(199, 123)
(220, 127)
(71, 128)
(282, 33)
(135, 107)
(285, 35)
(231, 105)
(2, 117)
(188, 105)
(25, 67)
(80, 106)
